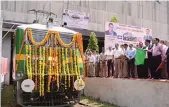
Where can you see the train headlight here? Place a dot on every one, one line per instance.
(19, 75)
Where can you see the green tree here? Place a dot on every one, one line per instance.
(93, 42)
(114, 19)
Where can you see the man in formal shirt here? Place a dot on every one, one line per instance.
(110, 63)
(130, 53)
(148, 59)
(148, 36)
(156, 57)
(111, 30)
(118, 53)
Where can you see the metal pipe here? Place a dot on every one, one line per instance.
(8, 31)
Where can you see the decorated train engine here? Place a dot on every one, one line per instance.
(48, 66)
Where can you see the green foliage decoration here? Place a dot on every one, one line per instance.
(93, 42)
(114, 19)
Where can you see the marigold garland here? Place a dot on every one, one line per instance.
(67, 66)
(36, 71)
(50, 68)
(57, 67)
(43, 42)
(57, 34)
(64, 67)
(27, 60)
(60, 62)
(30, 61)
(40, 71)
(43, 69)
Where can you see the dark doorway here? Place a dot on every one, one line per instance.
(12, 51)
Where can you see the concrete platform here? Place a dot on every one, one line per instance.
(129, 92)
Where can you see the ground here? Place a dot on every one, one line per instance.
(9, 101)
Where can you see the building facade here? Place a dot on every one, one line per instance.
(148, 14)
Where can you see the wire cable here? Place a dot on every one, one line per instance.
(8, 32)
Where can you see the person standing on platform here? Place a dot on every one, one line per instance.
(90, 65)
(96, 62)
(103, 64)
(124, 66)
(86, 61)
(167, 54)
(148, 59)
(110, 63)
(164, 72)
(130, 53)
(118, 53)
(147, 47)
(157, 51)
(139, 60)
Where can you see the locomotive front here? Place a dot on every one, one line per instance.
(48, 66)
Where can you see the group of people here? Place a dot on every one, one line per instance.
(128, 61)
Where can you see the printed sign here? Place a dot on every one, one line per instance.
(125, 34)
(76, 19)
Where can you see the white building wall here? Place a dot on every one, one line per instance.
(139, 13)
(6, 53)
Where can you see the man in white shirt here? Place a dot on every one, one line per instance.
(96, 63)
(118, 54)
(109, 58)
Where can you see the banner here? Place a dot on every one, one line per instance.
(76, 19)
(125, 34)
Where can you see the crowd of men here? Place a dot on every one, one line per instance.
(120, 62)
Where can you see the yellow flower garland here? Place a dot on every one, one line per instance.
(57, 34)
(67, 66)
(50, 68)
(36, 72)
(43, 42)
(63, 66)
(60, 62)
(27, 60)
(57, 67)
(71, 67)
(30, 61)
(40, 69)
(43, 70)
